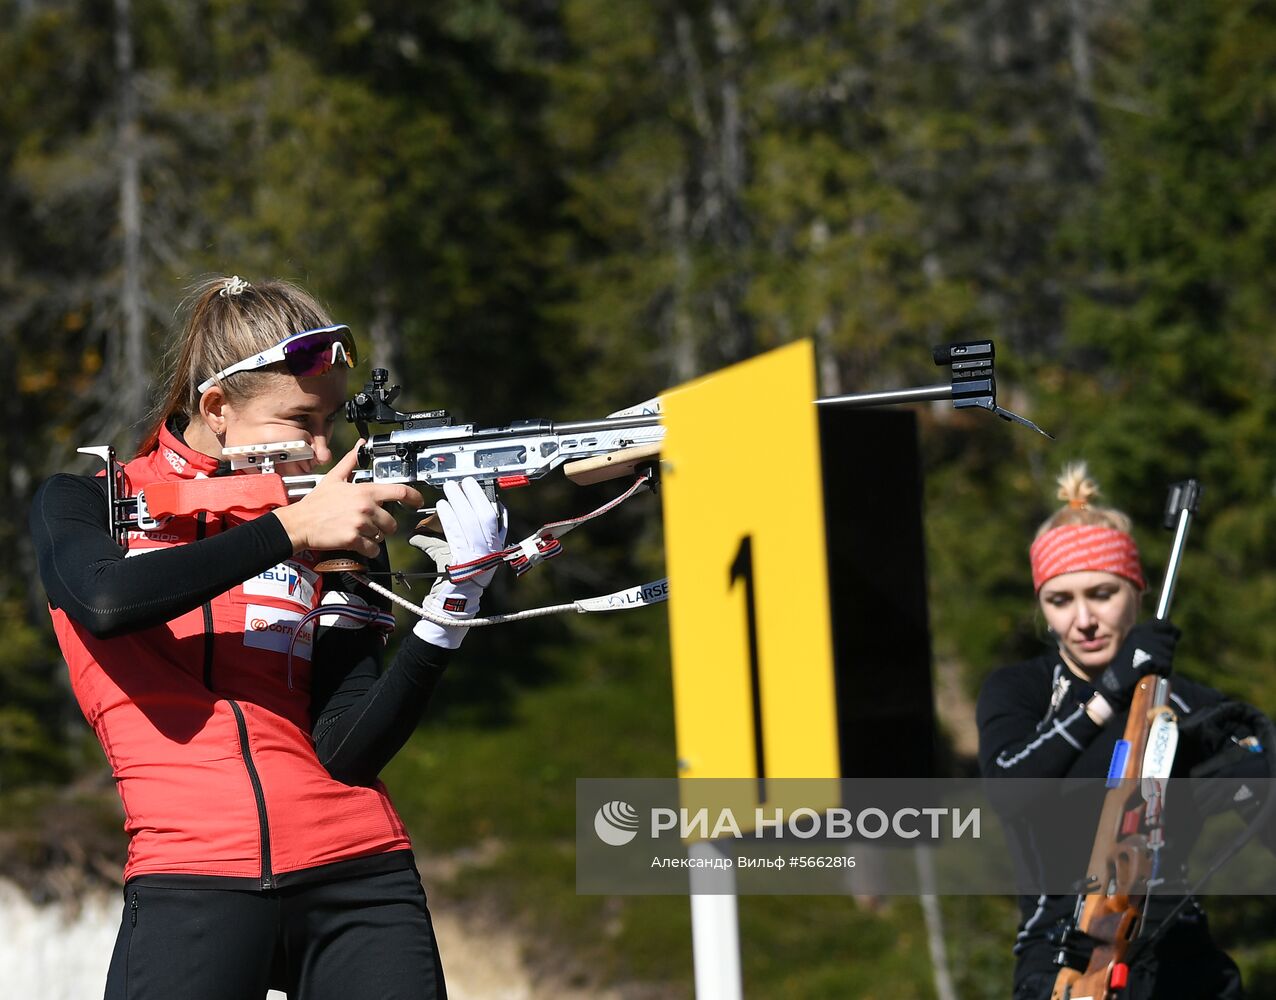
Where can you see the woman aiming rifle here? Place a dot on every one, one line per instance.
(263, 850)
(1060, 714)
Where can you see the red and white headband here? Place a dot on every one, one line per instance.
(1070, 548)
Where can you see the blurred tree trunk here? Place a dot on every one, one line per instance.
(682, 350)
(1083, 71)
(127, 377)
(685, 351)
(385, 334)
(731, 222)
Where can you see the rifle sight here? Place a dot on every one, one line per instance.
(372, 405)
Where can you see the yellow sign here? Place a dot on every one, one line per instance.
(744, 544)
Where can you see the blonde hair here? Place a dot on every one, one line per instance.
(1077, 490)
(227, 319)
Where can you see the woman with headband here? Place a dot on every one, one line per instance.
(1059, 715)
(246, 743)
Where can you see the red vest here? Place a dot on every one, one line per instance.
(210, 749)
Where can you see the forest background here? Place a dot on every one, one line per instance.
(559, 207)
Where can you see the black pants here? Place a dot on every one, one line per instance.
(363, 937)
(1222, 984)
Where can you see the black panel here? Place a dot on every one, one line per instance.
(877, 592)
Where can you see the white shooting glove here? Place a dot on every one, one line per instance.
(473, 527)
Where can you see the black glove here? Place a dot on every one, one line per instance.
(1148, 649)
(1222, 743)
(1213, 730)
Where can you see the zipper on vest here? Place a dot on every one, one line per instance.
(267, 876)
(263, 825)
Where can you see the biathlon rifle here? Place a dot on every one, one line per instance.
(1125, 861)
(427, 448)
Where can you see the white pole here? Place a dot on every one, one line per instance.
(715, 926)
(934, 924)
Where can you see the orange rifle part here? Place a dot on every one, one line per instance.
(239, 496)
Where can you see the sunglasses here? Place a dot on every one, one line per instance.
(311, 352)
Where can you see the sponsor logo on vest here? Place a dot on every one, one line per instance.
(287, 581)
(154, 536)
(273, 628)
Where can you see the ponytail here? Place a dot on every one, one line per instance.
(1077, 490)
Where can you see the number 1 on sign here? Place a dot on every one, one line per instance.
(723, 548)
(742, 569)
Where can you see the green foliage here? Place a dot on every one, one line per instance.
(32, 705)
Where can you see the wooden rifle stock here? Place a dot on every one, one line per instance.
(1119, 867)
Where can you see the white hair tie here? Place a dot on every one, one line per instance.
(233, 286)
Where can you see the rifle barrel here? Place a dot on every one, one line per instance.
(606, 424)
(444, 436)
(889, 397)
(1172, 567)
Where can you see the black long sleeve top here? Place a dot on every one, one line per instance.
(1033, 725)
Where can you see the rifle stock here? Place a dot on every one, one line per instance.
(1119, 868)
